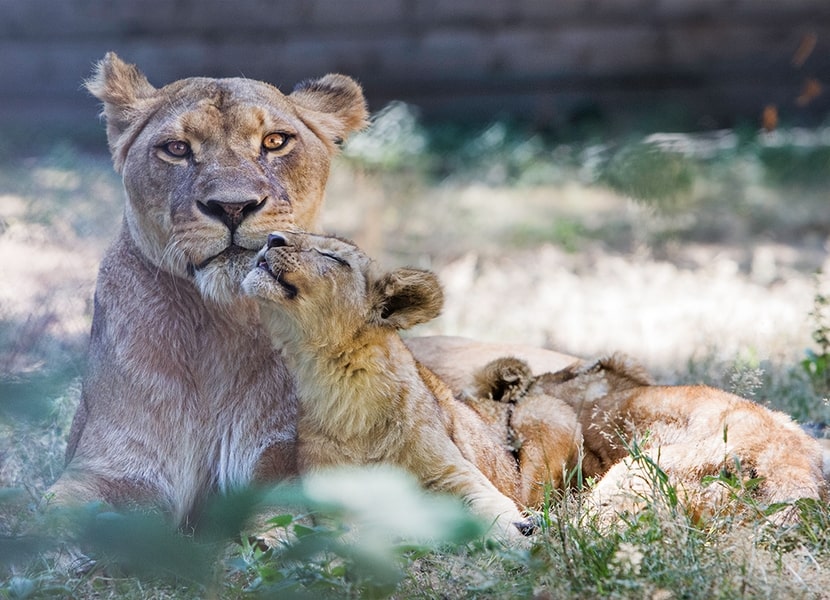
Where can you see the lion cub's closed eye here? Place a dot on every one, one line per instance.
(314, 282)
(363, 397)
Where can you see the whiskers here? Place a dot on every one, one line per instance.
(207, 259)
(173, 257)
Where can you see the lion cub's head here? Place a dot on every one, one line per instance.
(323, 290)
(211, 166)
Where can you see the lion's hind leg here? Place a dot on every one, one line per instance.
(665, 478)
(787, 461)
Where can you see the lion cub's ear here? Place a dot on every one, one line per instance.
(406, 297)
(124, 90)
(336, 104)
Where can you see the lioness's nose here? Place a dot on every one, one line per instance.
(276, 240)
(230, 212)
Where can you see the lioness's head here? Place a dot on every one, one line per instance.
(210, 166)
(326, 291)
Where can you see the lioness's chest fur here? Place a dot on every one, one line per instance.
(207, 393)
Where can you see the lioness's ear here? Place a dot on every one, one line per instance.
(336, 104)
(124, 90)
(407, 297)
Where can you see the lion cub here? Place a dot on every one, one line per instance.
(542, 431)
(363, 397)
(691, 431)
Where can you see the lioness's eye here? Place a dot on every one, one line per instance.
(177, 148)
(275, 141)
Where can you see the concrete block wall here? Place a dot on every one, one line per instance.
(547, 60)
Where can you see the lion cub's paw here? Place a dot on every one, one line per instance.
(528, 526)
(505, 379)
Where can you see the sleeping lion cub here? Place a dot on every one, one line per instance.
(363, 397)
(695, 433)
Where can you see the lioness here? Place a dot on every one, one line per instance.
(363, 397)
(184, 394)
(691, 432)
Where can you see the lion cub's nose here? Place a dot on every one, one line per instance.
(276, 240)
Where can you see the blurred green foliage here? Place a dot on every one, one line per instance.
(817, 362)
(510, 152)
(706, 185)
(394, 141)
(392, 541)
(651, 174)
(348, 533)
(29, 396)
(796, 166)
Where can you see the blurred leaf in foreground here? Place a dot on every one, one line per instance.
(369, 522)
(144, 544)
(17, 549)
(387, 502)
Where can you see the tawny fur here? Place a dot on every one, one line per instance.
(690, 431)
(184, 394)
(541, 431)
(458, 360)
(363, 397)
